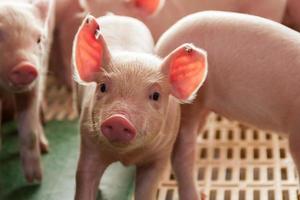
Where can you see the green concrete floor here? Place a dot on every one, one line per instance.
(59, 167)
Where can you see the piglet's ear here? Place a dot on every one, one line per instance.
(148, 6)
(90, 52)
(186, 69)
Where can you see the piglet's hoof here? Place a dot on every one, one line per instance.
(32, 167)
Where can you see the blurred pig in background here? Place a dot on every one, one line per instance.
(129, 100)
(253, 77)
(69, 15)
(159, 15)
(25, 38)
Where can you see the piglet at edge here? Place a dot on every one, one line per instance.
(25, 38)
(159, 15)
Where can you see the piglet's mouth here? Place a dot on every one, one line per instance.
(118, 129)
(19, 88)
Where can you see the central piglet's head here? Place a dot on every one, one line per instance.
(22, 38)
(132, 90)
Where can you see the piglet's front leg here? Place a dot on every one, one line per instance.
(148, 178)
(89, 172)
(31, 133)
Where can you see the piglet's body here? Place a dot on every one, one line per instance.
(25, 38)
(127, 111)
(254, 73)
(165, 13)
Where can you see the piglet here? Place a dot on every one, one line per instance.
(25, 37)
(254, 73)
(159, 15)
(128, 100)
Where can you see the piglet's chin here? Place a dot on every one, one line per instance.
(18, 88)
(118, 129)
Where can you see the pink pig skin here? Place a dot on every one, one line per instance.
(131, 75)
(253, 77)
(25, 38)
(172, 10)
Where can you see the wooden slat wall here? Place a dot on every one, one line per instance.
(240, 163)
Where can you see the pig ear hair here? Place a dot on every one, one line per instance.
(43, 7)
(150, 7)
(186, 68)
(90, 52)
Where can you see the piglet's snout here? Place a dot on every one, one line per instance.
(118, 128)
(23, 74)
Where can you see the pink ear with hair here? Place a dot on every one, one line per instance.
(186, 67)
(148, 6)
(89, 50)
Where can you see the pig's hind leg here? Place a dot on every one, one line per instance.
(294, 142)
(292, 123)
(185, 149)
(43, 141)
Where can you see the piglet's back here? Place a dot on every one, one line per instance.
(137, 37)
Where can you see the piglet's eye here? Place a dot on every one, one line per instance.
(154, 96)
(103, 88)
(39, 40)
